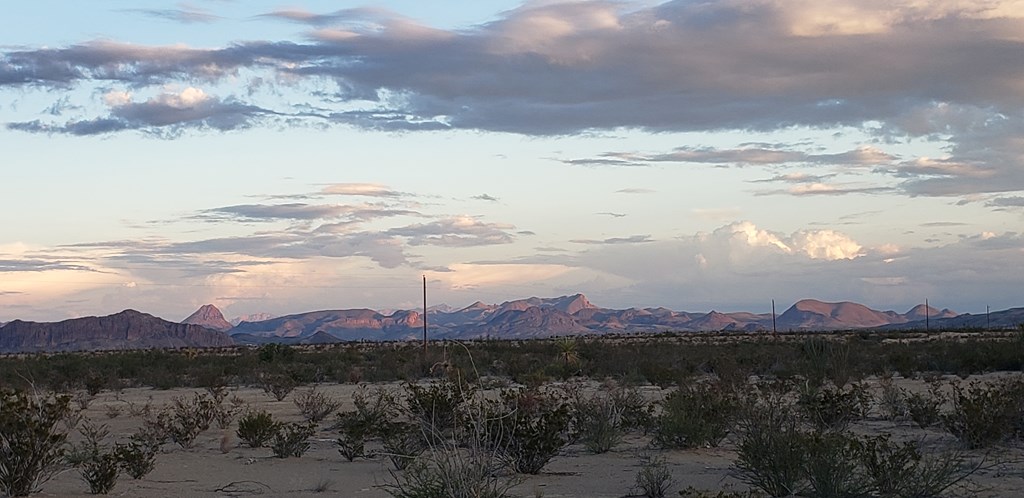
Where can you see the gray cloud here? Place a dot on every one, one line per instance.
(30, 265)
(633, 190)
(934, 71)
(485, 197)
(167, 115)
(613, 215)
(300, 212)
(634, 239)
(187, 15)
(1006, 202)
(460, 231)
(759, 154)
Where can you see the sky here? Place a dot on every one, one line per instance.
(272, 157)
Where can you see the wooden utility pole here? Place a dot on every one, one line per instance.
(774, 330)
(424, 314)
(927, 316)
(988, 320)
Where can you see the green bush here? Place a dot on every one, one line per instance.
(599, 423)
(31, 444)
(439, 403)
(833, 408)
(653, 479)
(403, 442)
(292, 440)
(695, 415)
(190, 417)
(923, 408)
(770, 449)
(354, 428)
(256, 428)
(136, 458)
(315, 405)
(100, 472)
(527, 426)
(984, 414)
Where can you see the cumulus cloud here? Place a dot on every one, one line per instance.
(747, 265)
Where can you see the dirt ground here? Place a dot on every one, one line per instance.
(205, 470)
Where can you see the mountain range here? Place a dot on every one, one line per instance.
(519, 319)
(565, 315)
(128, 329)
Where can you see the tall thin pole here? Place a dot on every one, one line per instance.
(424, 313)
(988, 320)
(774, 330)
(927, 316)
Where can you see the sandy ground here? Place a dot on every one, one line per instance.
(205, 470)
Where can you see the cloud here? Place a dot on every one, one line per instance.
(613, 215)
(185, 15)
(744, 265)
(942, 71)
(458, 231)
(1006, 202)
(168, 113)
(818, 188)
(633, 190)
(761, 154)
(360, 189)
(35, 265)
(300, 212)
(634, 239)
(485, 197)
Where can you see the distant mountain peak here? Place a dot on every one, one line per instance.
(210, 317)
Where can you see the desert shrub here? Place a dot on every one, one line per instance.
(256, 428)
(137, 458)
(377, 406)
(528, 427)
(892, 400)
(438, 403)
(277, 385)
(832, 466)
(403, 442)
(900, 470)
(31, 444)
(983, 415)
(599, 422)
(829, 407)
(89, 447)
(458, 462)
(923, 408)
(97, 463)
(189, 418)
(292, 439)
(769, 448)
(353, 430)
(653, 479)
(315, 405)
(637, 413)
(449, 472)
(100, 472)
(826, 359)
(695, 415)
